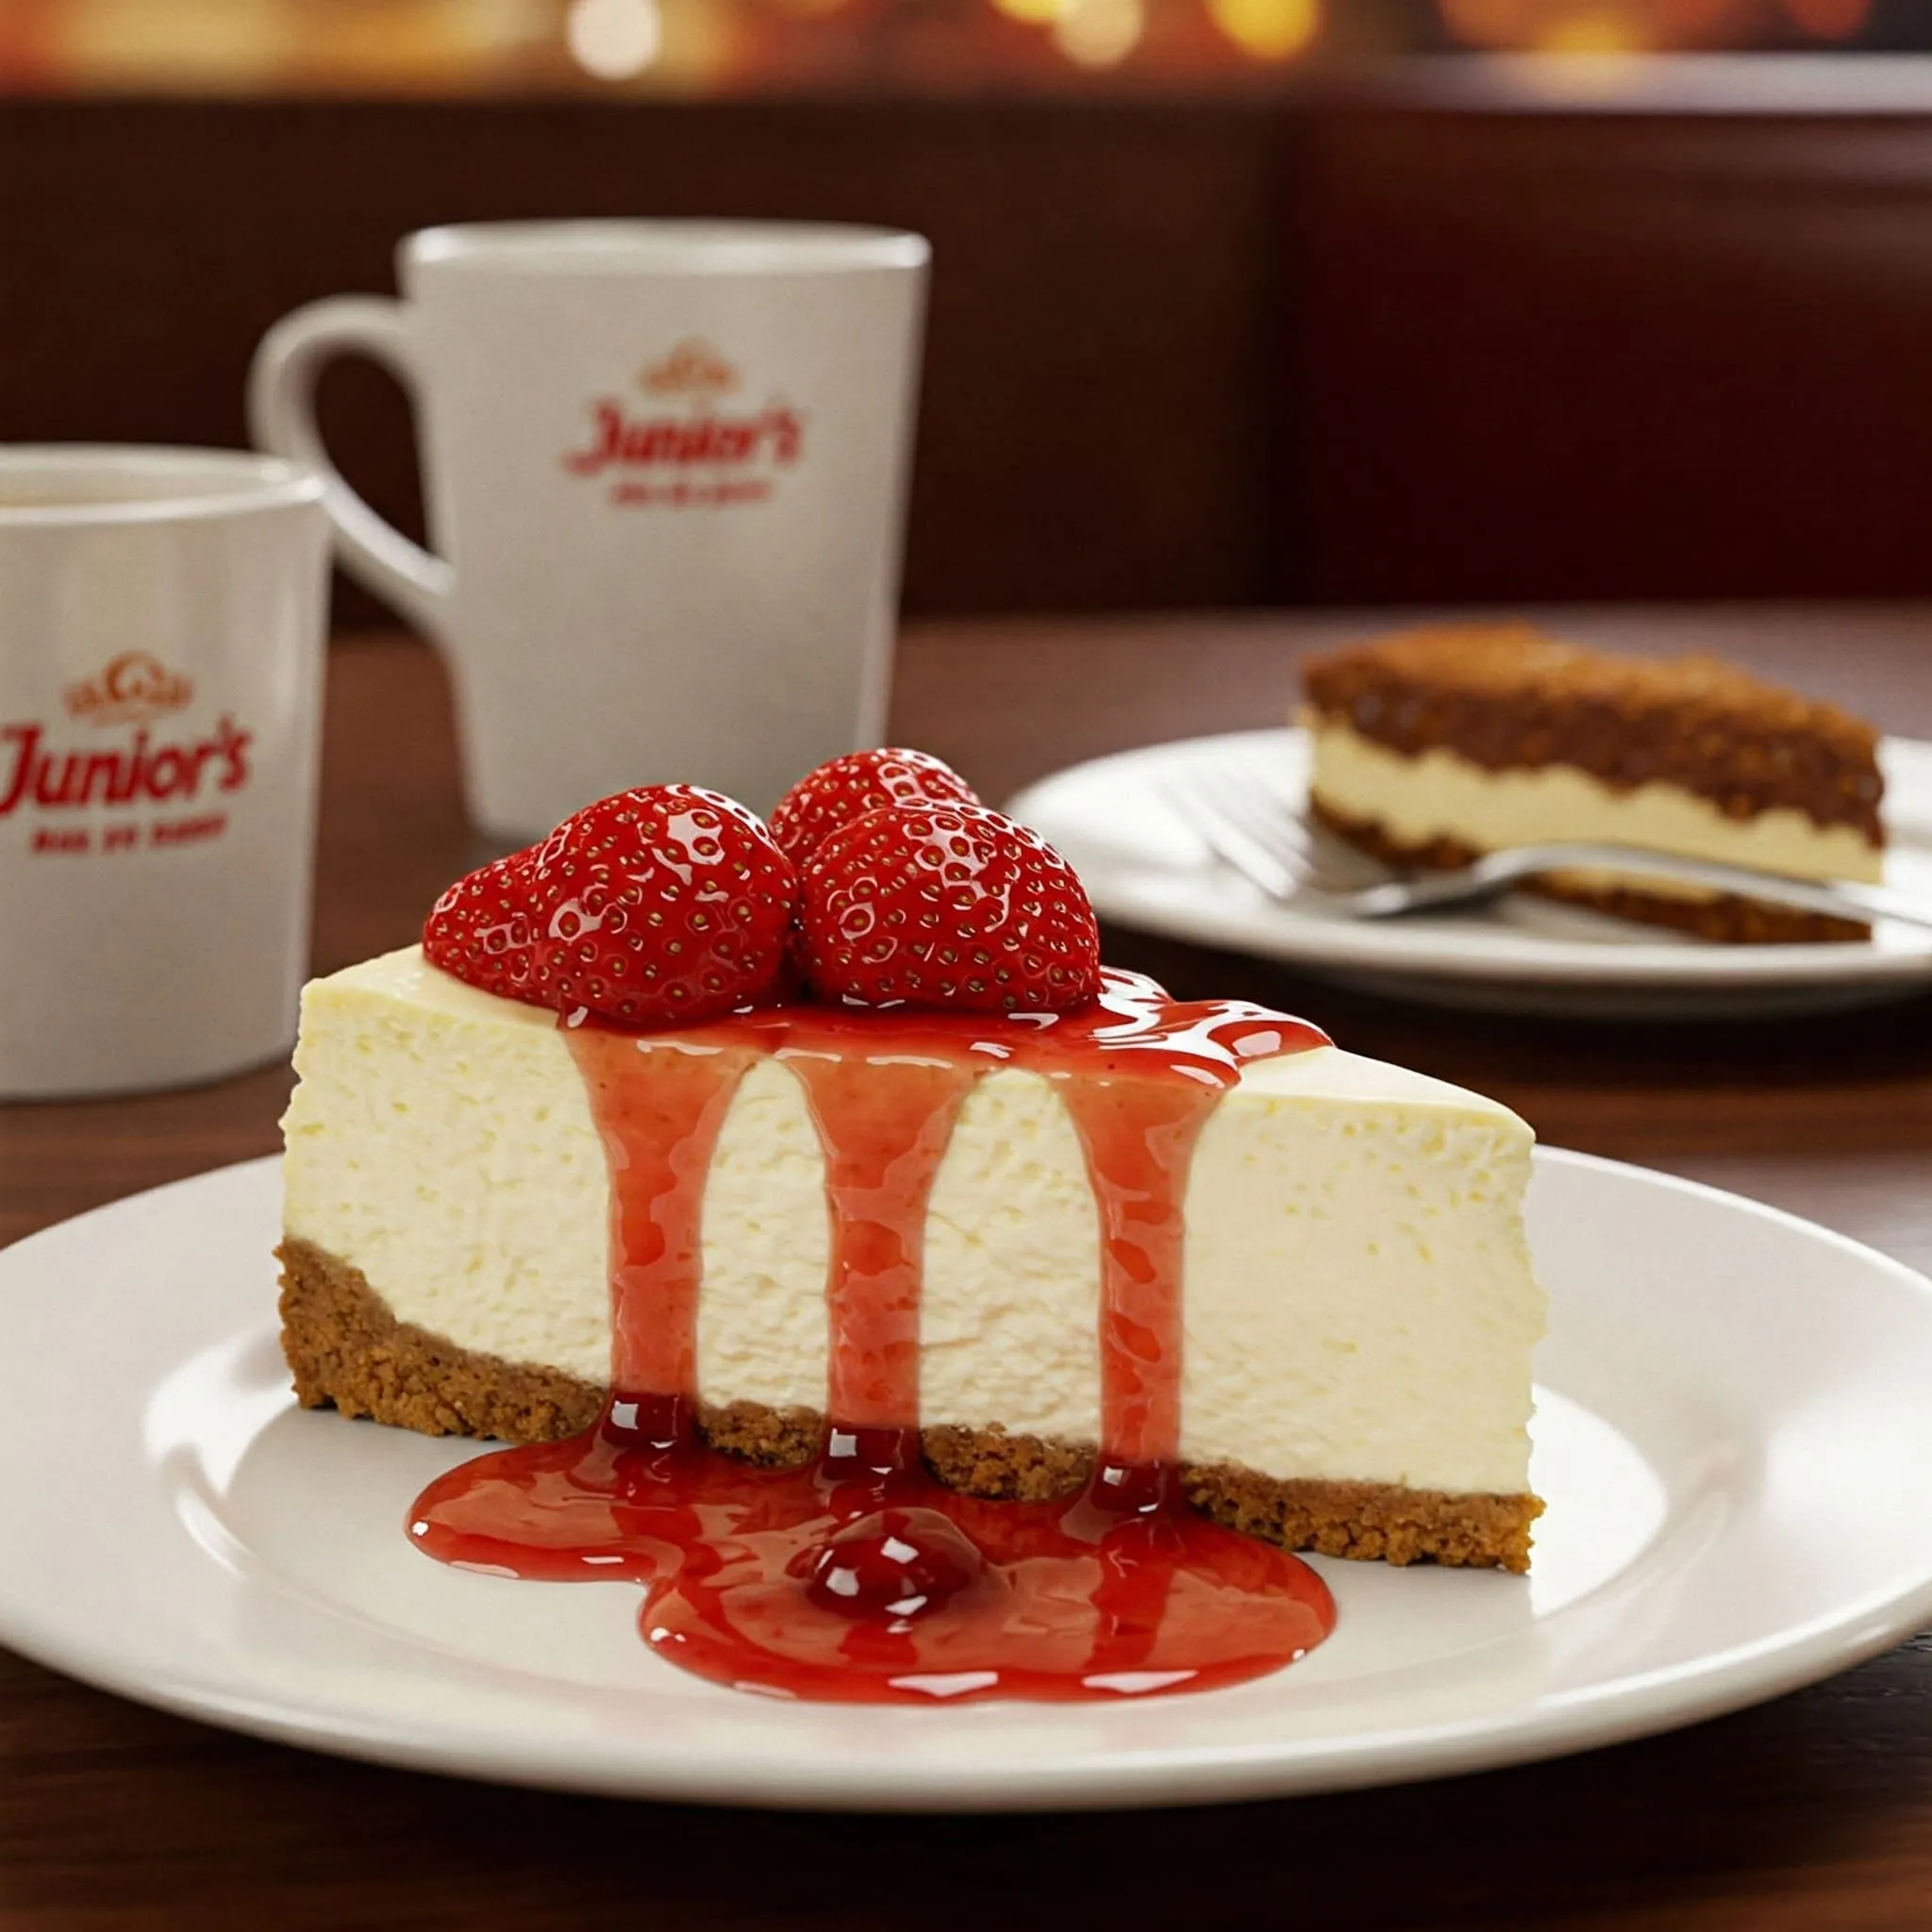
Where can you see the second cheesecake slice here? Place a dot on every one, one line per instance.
(1436, 745)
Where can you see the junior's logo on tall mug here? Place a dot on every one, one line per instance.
(692, 442)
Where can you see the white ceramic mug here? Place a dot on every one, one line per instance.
(161, 619)
(665, 470)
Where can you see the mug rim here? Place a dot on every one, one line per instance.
(235, 481)
(706, 245)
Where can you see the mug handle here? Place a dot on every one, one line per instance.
(281, 419)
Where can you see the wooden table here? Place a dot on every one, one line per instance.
(1812, 1811)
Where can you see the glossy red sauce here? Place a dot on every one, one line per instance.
(858, 1577)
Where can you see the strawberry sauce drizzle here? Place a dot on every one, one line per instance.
(858, 1577)
(659, 1129)
(883, 1141)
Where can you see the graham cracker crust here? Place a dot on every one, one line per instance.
(346, 1349)
(1506, 696)
(1732, 920)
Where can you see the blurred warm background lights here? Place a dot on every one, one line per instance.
(1626, 27)
(748, 47)
(1098, 33)
(1267, 29)
(614, 39)
(1588, 27)
(1033, 12)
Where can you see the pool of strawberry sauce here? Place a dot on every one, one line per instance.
(858, 1577)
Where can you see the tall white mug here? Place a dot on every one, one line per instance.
(665, 469)
(161, 616)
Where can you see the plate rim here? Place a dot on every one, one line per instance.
(1586, 1716)
(1381, 948)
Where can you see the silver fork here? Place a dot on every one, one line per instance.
(1261, 834)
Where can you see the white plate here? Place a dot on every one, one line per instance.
(1732, 1440)
(1117, 820)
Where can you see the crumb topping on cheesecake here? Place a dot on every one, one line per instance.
(1507, 695)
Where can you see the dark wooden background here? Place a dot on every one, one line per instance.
(1231, 353)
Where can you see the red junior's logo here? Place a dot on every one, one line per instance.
(132, 688)
(144, 768)
(694, 455)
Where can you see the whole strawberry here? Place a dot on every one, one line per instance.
(861, 781)
(481, 929)
(664, 905)
(947, 906)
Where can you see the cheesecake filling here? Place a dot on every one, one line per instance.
(1439, 795)
(1360, 1306)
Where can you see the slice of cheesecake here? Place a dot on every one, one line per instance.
(1358, 1307)
(1438, 745)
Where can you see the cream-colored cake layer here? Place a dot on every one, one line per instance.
(1439, 795)
(1359, 1303)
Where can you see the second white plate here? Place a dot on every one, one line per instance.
(1732, 1435)
(1119, 821)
